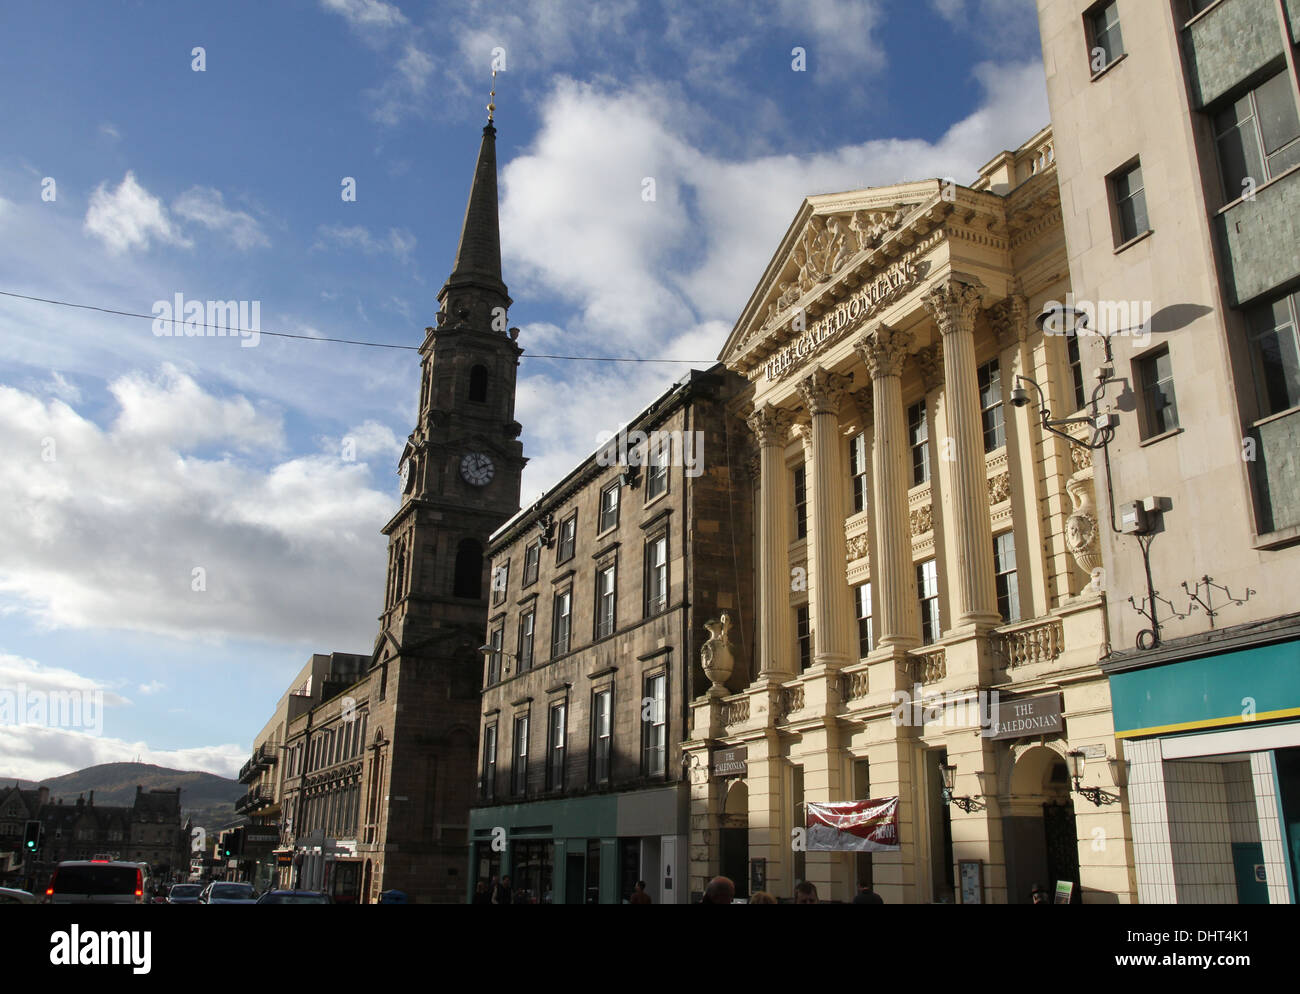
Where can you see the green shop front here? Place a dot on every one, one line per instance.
(1211, 733)
(584, 850)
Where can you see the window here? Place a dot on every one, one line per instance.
(1258, 136)
(1105, 42)
(800, 503)
(494, 657)
(602, 730)
(561, 617)
(1076, 370)
(519, 770)
(1004, 565)
(527, 622)
(568, 538)
(918, 430)
(555, 748)
(489, 786)
(656, 575)
(927, 586)
(1155, 376)
(469, 569)
(866, 639)
(1130, 201)
(656, 478)
(500, 582)
(655, 738)
(990, 382)
(858, 470)
(478, 384)
(608, 508)
(532, 556)
(803, 635)
(1194, 7)
(1275, 353)
(605, 600)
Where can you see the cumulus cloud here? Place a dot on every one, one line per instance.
(130, 217)
(20, 675)
(182, 518)
(367, 13)
(206, 206)
(33, 753)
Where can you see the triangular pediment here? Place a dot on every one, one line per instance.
(830, 236)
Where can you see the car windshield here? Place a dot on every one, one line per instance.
(232, 892)
(297, 899)
(94, 880)
(186, 890)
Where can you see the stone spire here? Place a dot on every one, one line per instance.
(475, 286)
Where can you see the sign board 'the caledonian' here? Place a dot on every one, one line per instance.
(1027, 716)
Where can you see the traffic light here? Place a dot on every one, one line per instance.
(32, 836)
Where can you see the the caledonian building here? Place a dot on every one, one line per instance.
(602, 594)
(1178, 150)
(921, 546)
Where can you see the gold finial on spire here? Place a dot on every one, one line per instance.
(491, 107)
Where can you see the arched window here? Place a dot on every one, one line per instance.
(469, 570)
(478, 380)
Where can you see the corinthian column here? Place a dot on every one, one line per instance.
(771, 426)
(953, 306)
(821, 392)
(884, 349)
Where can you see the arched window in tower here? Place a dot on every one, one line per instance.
(399, 585)
(478, 384)
(469, 570)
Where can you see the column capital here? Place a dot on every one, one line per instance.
(770, 425)
(884, 349)
(803, 429)
(1007, 318)
(865, 399)
(930, 362)
(953, 304)
(822, 391)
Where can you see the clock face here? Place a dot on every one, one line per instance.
(477, 469)
(404, 474)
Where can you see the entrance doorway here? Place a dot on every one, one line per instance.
(1040, 836)
(733, 833)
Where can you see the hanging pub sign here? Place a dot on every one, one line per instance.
(731, 762)
(1026, 716)
(853, 826)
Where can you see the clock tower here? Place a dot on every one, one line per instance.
(459, 478)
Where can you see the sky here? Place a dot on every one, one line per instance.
(185, 519)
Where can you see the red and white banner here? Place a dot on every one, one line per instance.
(854, 826)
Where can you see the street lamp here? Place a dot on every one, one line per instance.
(967, 804)
(1078, 763)
(1070, 321)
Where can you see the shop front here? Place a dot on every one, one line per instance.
(1213, 749)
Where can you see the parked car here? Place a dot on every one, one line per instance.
(294, 897)
(100, 882)
(184, 894)
(222, 892)
(12, 895)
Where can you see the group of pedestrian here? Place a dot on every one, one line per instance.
(496, 891)
(721, 890)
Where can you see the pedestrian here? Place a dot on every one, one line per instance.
(481, 893)
(761, 897)
(503, 894)
(867, 896)
(639, 896)
(805, 892)
(1039, 895)
(719, 891)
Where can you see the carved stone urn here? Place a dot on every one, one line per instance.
(716, 657)
(1081, 535)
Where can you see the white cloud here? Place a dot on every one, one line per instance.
(206, 206)
(129, 217)
(19, 674)
(116, 530)
(367, 13)
(109, 130)
(34, 753)
(399, 243)
(152, 687)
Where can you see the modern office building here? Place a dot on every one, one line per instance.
(1178, 159)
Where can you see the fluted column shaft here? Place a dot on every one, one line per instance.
(884, 349)
(821, 391)
(771, 426)
(954, 306)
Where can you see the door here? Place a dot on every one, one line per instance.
(1248, 868)
(735, 858)
(1062, 846)
(575, 882)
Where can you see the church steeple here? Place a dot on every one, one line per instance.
(475, 278)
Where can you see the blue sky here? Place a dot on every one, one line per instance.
(131, 460)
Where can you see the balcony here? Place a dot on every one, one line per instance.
(1258, 239)
(256, 798)
(262, 759)
(1277, 472)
